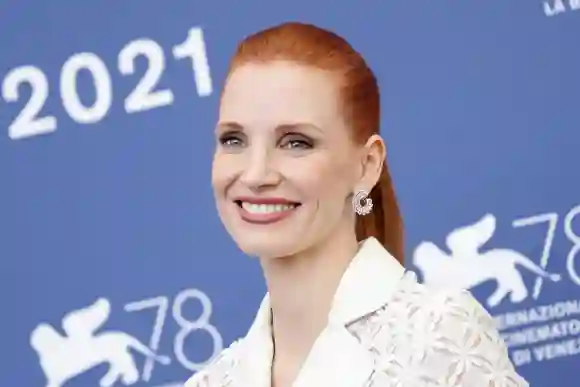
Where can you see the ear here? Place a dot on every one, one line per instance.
(373, 159)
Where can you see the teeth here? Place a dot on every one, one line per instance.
(266, 208)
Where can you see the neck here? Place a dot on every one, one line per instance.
(302, 288)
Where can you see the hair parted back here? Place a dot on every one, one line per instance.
(313, 46)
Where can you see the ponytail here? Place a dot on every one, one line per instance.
(384, 221)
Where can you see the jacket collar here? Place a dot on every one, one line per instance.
(368, 283)
(336, 358)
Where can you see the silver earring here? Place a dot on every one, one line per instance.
(361, 203)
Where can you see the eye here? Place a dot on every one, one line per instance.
(231, 141)
(296, 142)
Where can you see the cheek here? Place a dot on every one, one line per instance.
(323, 179)
(222, 174)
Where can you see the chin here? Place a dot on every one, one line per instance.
(268, 246)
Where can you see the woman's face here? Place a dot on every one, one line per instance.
(284, 164)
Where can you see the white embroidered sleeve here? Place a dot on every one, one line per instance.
(461, 345)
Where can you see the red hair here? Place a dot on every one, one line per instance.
(309, 45)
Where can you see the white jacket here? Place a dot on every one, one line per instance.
(385, 330)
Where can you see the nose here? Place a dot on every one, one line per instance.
(259, 170)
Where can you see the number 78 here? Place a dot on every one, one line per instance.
(186, 327)
(552, 219)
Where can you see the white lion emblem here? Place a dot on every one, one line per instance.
(467, 267)
(65, 357)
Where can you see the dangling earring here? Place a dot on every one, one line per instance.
(357, 203)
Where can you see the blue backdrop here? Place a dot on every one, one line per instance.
(106, 117)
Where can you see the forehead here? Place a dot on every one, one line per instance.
(268, 94)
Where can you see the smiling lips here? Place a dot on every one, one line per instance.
(264, 210)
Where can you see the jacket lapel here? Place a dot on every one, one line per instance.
(256, 359)
(337, 358)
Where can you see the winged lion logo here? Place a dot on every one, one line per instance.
(64, 357)
(467, 266)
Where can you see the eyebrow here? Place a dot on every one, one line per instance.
(231, 125)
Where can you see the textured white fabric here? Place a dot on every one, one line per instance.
(418, 337)
(435, 339)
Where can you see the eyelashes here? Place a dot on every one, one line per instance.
(296, 143)
(230, 141)
(289, 141)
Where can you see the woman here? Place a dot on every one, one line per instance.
(298, 136)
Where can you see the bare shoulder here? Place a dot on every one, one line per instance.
(217, 372)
